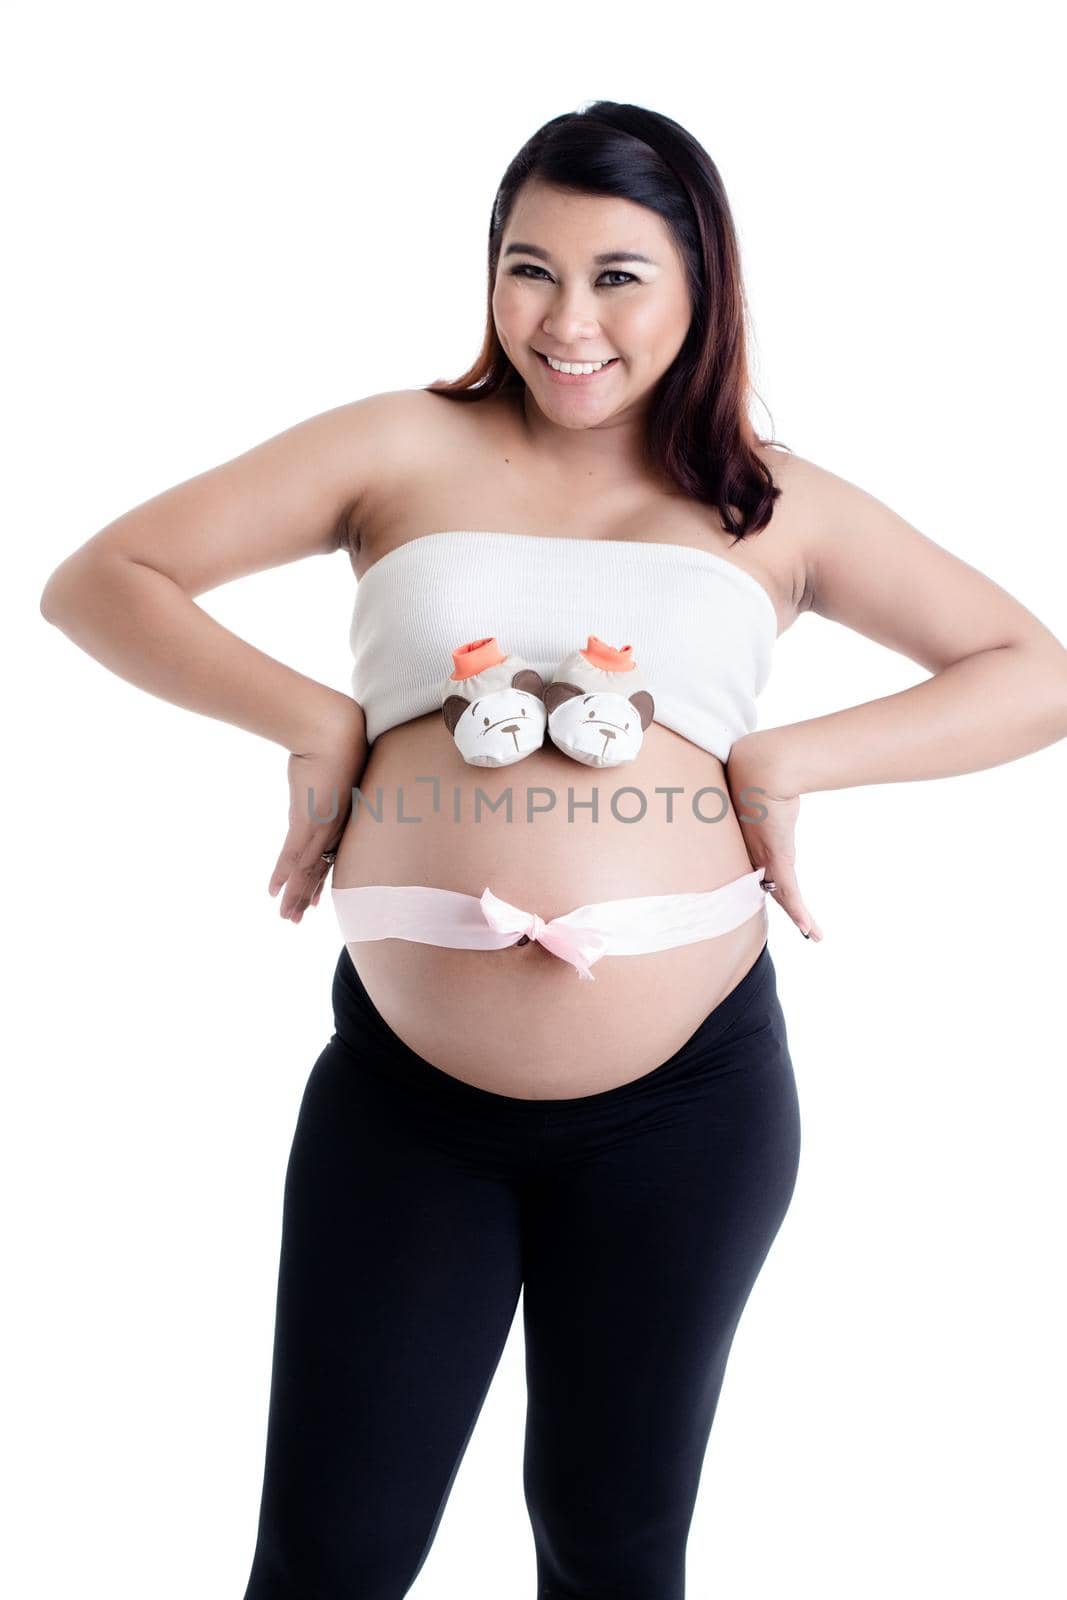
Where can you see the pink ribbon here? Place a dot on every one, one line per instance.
(570, 944)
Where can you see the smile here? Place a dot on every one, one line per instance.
(574, 377)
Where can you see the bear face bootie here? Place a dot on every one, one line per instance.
(598, 706)
(492, 705)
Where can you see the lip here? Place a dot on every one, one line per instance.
(575, 377)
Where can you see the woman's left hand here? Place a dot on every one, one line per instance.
(767, 813)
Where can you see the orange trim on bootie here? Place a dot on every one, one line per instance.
(476, 656)
(602, 655)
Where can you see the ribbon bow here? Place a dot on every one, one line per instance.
(578, 947)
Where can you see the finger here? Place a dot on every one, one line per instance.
(288, 860)
(295, 859)
(305, 885)
(787, 894)
(298, 892)
(807, 925)
(301, 869)
(314, 900)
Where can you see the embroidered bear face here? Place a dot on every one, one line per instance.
(601, 727)
(500, 726)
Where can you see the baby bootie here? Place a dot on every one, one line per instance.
(598, 706)
(492, 705)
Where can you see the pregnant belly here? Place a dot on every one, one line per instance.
(548, 834)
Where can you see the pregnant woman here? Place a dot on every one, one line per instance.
(560, 1065)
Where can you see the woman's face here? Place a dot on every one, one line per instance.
(552, 297)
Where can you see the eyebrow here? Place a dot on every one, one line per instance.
(602, 260)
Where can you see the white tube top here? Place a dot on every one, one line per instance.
(702, 629)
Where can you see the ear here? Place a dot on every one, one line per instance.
(556, 693)
(644, 705)
(453, 708)
(530, 681)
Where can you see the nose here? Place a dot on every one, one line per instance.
(566, 323)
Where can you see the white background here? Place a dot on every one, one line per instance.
(227, 218)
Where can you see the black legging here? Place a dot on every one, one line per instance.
(417, 1206)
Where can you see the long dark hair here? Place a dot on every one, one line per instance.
(699, 431)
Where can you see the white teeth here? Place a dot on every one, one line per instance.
(573, 366)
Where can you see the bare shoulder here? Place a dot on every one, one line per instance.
(400, 411)
(829, 513)
(815, 506)
(425, 443)
(805, 486)
(399, 430)
(798, 508)
(401, 418)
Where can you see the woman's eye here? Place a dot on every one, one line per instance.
(515, 271)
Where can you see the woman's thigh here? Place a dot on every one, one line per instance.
(399, 1275)
(645, 1236)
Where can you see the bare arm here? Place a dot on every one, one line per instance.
(999, 684)
(127, 595)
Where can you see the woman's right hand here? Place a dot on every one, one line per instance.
(321, 778)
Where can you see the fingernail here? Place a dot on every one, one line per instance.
(806, 935)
